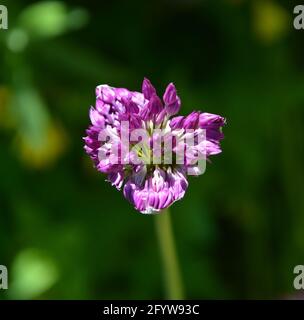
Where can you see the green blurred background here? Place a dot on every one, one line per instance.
(67, 234)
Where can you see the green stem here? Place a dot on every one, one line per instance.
(172, 275)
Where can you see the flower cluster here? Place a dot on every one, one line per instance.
(149, 185)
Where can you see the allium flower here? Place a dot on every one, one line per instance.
(151, 168)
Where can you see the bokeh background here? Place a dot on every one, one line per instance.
(67, 234)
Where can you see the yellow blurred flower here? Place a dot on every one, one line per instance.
(271, 21)
(43, 155)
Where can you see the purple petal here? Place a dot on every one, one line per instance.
(171, 100)
(147, 89)
(159, 191)
(152, 108)
(96, 118)
(105, 93)
(191, 121)
(116, 179)
(177, 122)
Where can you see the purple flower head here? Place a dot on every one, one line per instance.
(142, 149)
